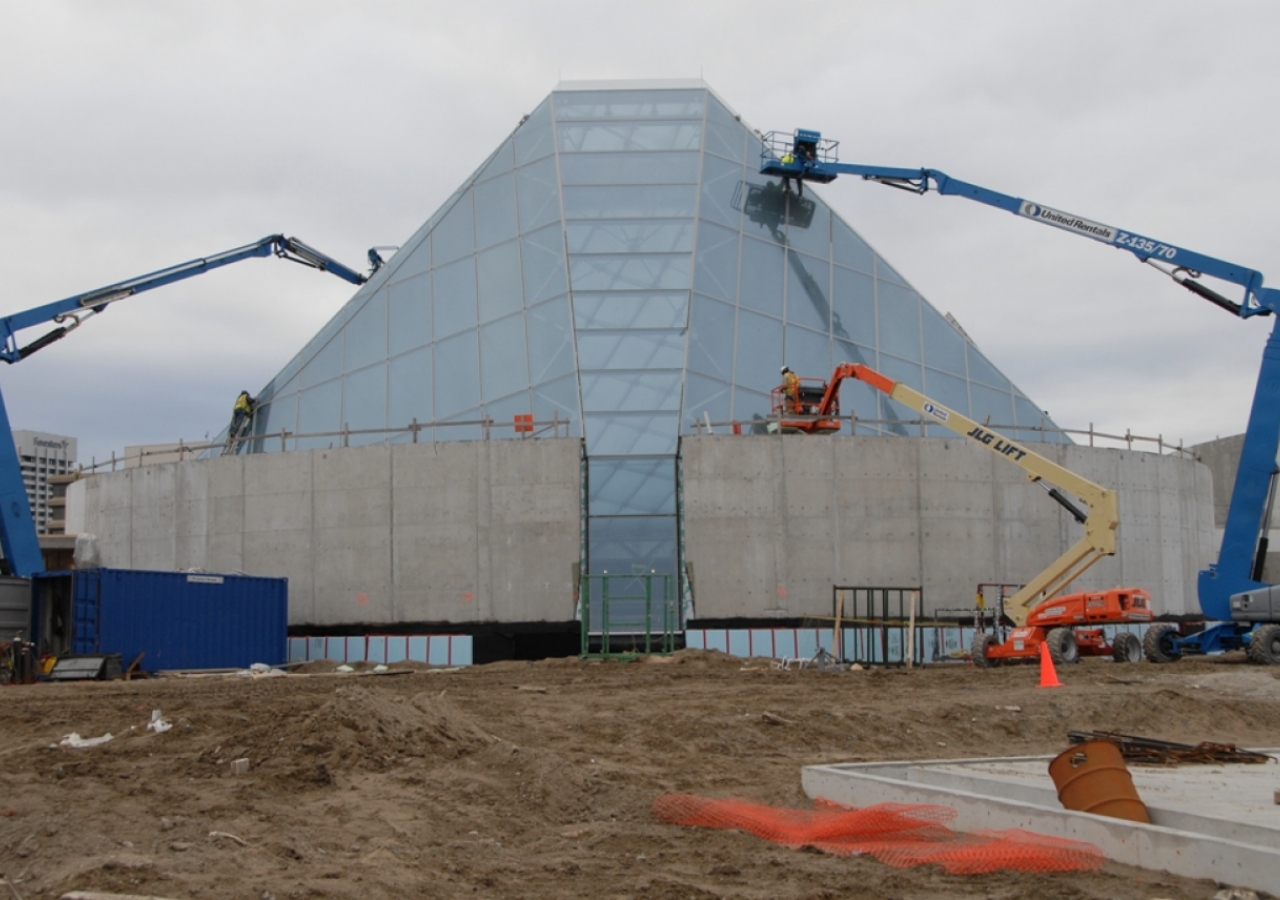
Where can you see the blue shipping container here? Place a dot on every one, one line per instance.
(180, 620)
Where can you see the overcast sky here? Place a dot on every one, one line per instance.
(137, 135)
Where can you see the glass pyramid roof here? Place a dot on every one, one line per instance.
(619, 265)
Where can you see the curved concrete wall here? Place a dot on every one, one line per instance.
(483, 531)
(489, 531)
(771, 524)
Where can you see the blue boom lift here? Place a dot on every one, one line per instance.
(17, 528)
(1231, 592)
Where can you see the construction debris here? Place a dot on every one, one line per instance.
(1167, 753)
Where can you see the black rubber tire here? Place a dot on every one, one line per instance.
(1062, 646)
(1264, 645)
(1158, 644)
(978, 650)
(1126, 648)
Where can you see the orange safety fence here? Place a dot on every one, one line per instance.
(897, 834)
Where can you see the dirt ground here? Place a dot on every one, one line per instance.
(537, 779)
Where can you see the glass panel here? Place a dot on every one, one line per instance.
(850, 250)
(981, 370)
(622, 434)
(854, 312)
(711, 337)
(410, 261)
(324, 365)
(632, 545)
(628, 168)
(808, 353)
(533, 139)
(280, 414)
(943, 345)
(455, 296)
(753, 407)
(539, 194)
(364, 404)
(726, 135)
(367, 333)
(503, 365)
(455, 235)
(627, 391)
(542, 258)
(811, 231)
(631, 350)
(669, 104)
(632, 487)
(765, 205)
(759, 352)
(886, 272)
(899, 320)
(704, 395)
(496, 210)
(630, 201)
(717, 272)
(762, 274)
(844, 351)
(653, 271)
(472, 430)
(550, 341)
(630, 237)
(457, 375)
(501, 161)
(991, 407)
(410, 313)
(320, 410)
(1028, 415)
(722, 187)
(631, 310)
(409, 388)
(559, 399)
(808, 281)
(948, 390)
(619, 136)
(498, 281)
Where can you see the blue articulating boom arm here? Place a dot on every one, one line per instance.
(17, 528)
(807, 156)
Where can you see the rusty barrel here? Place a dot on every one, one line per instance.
(1092, 777)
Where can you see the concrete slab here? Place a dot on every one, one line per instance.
(1216, 822)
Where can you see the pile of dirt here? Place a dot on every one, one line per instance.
(537, 779)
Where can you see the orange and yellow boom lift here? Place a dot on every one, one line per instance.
(1070, 624)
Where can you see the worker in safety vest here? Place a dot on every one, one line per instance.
(790, 389)
(240, 414)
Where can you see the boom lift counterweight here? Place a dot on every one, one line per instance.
(1230, 591)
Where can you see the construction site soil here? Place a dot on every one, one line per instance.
(537, 779)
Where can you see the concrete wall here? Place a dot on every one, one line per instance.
(772, 523)
(488, 531)
(453, 533)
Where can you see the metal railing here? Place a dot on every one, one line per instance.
(759, 426)
(281, 440)
(640, 610)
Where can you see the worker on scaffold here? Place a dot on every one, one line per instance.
(790, 390)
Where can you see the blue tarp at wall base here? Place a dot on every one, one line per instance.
(179, 620)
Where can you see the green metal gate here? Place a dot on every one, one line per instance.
(627, 615)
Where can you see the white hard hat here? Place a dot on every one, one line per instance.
(785, 370)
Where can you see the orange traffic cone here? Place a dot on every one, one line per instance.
(1048, 674)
